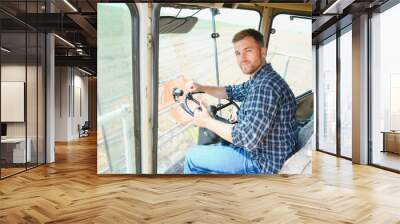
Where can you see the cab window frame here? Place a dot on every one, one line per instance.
(282, 13)
(135, 35)
(156, 42)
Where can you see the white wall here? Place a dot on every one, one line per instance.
(71, 94)
(12, 73)
(13, 99)
(61, 103)
(80, 103)
(33, 106)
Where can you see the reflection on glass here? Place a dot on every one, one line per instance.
(22, 93)
(327, 96)
(228, 23)
(346, 94)
(180, 60)
(385, 87)
(289, 51)
(115, 151)
(15, 150)
(31, 101)
(394, 101)
(41, 99)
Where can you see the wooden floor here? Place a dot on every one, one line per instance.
(10, 171)
(70, 191)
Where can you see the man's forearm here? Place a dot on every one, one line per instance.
(223, 130)
(218, 92)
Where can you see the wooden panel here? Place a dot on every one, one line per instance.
(92, 103)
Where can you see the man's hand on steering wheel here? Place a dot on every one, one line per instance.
(193, 87)
(201, 117)
(213, 110)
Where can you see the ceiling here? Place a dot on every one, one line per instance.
(74, 22)
(333, 15)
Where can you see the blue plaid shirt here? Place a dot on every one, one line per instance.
(266, 125)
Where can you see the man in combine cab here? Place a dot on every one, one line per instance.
(264, 136)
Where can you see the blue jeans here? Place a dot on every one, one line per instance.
(219, 159)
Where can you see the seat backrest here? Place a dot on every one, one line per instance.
(304, 117)
(304, 134)
(300, 162)
(86, 125)
(305, 107)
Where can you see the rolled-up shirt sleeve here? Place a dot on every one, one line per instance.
(249, 132)
(237, 92)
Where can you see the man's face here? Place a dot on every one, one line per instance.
(249, 55)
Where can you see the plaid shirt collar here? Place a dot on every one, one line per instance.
(265, 68)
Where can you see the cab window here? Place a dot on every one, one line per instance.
(289, 51)
(117, 150)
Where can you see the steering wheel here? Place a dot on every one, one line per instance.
(176, 93)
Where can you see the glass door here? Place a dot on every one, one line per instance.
(327, 127)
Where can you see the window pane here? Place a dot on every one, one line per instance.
(32, 90)
(327, 96)
(41, 98)
(289, 51)
(346, 94)
(116, 151)
(386, 88)
(13, 86)
(31, 101)
(191, 56)
(228, 23)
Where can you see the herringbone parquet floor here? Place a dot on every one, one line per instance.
(70, 191)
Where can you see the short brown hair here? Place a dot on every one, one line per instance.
(257, 36)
